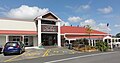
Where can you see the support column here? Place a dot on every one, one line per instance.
(89, 42)
(92, 42)
(115, 42)
(7, 38)
(107, 40)
(39, 32)
(23, 39)
(69, 41)
(58, 36)
(111, 44)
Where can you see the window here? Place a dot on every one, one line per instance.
(47, 22)
(112, 40)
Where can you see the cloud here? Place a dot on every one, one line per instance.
(64, 23)
(100, 27)
(85, 6)
(105, 10)
(2, 9)
(103, 27)
(26, 12)
(90, 22)
(75, 19)
(82, 8)
(117, 25)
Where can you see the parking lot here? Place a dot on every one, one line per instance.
(34, 53)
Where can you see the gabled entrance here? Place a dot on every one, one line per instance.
(48, 28)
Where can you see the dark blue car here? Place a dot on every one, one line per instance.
(13, 47)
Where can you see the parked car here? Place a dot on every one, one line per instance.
(1, 49)
(13, 47)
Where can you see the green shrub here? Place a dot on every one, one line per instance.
(102, 46)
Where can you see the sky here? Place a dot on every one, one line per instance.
(96, 13)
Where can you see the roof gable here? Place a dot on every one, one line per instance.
(49, 16)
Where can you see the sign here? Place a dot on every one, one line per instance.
(49, 28)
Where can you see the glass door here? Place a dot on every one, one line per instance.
(49, 39)
(26, 41)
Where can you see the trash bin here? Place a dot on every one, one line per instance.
(66, 45)
(70, 46)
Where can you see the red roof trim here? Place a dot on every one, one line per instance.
(79, 30)
(17, 32)
(77, 37)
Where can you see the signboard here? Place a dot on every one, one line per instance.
(49, 28)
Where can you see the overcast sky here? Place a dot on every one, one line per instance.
(96, 13)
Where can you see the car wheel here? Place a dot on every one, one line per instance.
(24, 50)
(20, 52)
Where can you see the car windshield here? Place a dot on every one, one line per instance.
(11, 44)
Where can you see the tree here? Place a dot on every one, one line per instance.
(83, 41)
(102, 46)
(118, 35)
(89, 30)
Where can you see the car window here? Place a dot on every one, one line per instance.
(11, 44)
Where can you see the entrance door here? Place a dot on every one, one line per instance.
(49, 39)
(26, 41)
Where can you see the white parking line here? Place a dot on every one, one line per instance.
(55, 61)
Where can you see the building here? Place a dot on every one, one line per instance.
(43, 30)
(112, 41)
(73, 33)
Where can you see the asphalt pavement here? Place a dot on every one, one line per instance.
(36, 53)
(62, 55)
(94, 57)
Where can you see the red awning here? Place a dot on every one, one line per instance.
(17, 32)
(81, 37)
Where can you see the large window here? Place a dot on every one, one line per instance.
(15, 38)
(28, 41)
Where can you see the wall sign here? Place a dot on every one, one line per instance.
(49, 28)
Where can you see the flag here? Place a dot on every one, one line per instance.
(107, 24)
